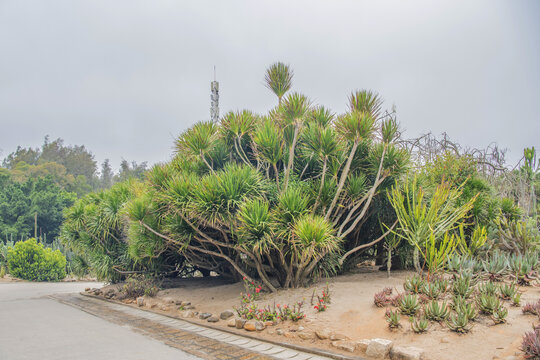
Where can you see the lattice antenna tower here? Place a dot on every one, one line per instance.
(214, 99)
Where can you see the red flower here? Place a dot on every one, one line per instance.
(258, 290)
(316, 307)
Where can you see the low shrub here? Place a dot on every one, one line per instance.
(530, 344)
(29, 260)
(136, 286)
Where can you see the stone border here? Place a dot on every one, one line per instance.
(226, 330)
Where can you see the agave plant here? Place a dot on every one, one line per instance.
(488, 304)
(458, 302)
(436, 311)
(516, 299)
(409, 305)
(419, 325)
(522, 268)
(458, 322)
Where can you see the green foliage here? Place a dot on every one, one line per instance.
(278, 78)
(393, 317)
(488, 304)
(462, 286)
(414, 284)
(136, 286)
(488, 288)
(436, 311)
(424, 222)
(409, 305)
(458, 322)
(19, 202)
(419, 325)
(499, 315)
(29, 260)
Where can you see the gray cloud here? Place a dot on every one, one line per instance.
(126, 77)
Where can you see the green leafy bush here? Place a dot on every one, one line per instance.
(29, 260)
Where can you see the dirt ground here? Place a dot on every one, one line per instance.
(352, 313)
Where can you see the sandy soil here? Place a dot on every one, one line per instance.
(353, 314)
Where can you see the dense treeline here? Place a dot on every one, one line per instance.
(44, 181)
(288, 196)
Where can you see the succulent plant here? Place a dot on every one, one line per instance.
(408, 305)
(499, 315)
(469, 310)
(380, 299)
(495, 266)
(458, 322)
(458, 301)
(522, 268)
(507, 292)
(431, 290)
(516, 299)
(531, 308)
(462, 286)
(419, 325)
(530, 345)
(488, 304)
(393, 317)
(488, 288)
(387, 291)
(436, 312)
(454, 262)
(414, 284)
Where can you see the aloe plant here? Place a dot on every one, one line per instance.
(419, 325)
(462, 286)
(507, 291)
(488, 304)
(414, 284)
(488, 288)
(432, 290)
(495, 266)
(393, 317)
(499, 315)
(458, 322)
(468, 309)
(436, 311)
(409, 305)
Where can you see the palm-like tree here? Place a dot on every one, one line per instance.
(278, 78)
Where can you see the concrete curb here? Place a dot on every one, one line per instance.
(247, 336)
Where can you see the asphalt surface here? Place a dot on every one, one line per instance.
(33, 326)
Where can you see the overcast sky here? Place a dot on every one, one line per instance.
(126, 77)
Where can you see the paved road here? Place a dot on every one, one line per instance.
(33, 326)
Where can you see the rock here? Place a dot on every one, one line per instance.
(187, 314)
(406, 353)
(226, 314)
(269, 323)
(379, 348)
(231, 323)
(344, 345)
(253, 325)
(204, 316)
(188, 307)
(152, 306)
(87, 289)
(213, 319)
(240, 323)
(177, 302)
(362, 345)
(185, 303)
(445, 340)
(306, 335)
(323, 334)
(140, 301)
(337, 337)
(97, 292)
(294, 328)
(168, 300)
(289, 334)
(164, 308)
(280, 331)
